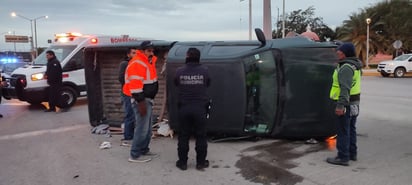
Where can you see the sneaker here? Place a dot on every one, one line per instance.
(50, 110)
(140, 159)
(181, 165)
(201, 166)
(337, 161)
(126, 143)
(151, 154)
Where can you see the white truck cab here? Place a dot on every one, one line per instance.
(28, 83)
(398, 66)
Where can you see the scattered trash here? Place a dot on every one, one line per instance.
(101, 129)
(105, 145)
(311, 141)
(162, 128)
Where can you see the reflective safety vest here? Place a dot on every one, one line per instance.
(139, 72)
(356, 83)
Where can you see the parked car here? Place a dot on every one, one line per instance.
(8, 68)
(5, 70)
(398, 66)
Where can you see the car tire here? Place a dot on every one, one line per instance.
(67, 97)
(385, 74)
(399, 72)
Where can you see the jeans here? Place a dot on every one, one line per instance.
(192, 120)
(129, 117)
(142, 131)
(346, 140)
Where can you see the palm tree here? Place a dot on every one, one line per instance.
(354, 30)
(390, 22)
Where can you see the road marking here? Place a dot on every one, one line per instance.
(42, 132)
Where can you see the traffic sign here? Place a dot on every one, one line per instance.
(397, 44)
(16, 38)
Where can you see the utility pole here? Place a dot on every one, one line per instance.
(267, 19)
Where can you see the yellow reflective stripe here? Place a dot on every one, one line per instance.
(136, 90)
(135, 77)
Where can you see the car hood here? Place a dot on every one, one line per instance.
(29, 70)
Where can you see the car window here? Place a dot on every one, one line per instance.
(8, 68)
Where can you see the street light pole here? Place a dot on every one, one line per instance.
(35, 31)
(33, 40)
(283, 20)
(368, 21)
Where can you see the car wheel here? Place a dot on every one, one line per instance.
(399, 72)
(384, 74)
(67, 97)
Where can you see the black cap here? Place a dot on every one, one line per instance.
(147, 44)
(348, 49)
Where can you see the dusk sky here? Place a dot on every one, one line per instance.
(180, 20)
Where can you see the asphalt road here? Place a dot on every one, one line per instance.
(38, 148)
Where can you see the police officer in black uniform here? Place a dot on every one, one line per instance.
(54, 79)
(192, 81)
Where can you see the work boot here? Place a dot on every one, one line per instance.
(337, 161)
(353, 158)
(201, 166)
(181, 165)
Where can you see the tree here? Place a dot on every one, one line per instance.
(390, 22)
(298, 20)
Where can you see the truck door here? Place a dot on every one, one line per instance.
(261, 92)
(409, 67)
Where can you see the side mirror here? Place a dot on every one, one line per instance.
(260, 36)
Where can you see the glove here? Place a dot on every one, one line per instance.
(141, 107)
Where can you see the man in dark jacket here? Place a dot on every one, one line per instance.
(345, 91)
(54, 79)
(192, 81)
(129, 119)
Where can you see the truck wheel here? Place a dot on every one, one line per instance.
(384, 74)
(67, 97)
(399, 72)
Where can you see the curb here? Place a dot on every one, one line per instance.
(370, 73)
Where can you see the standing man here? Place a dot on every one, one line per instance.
(129, 119)
(1, 86)
(141, 86)
(192, 81)
(54, 79)
(345, 91)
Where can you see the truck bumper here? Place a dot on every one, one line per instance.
(31, 95)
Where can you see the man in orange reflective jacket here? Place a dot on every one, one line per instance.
(142, 86)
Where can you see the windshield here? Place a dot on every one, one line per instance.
(60, 51)
(402, 57)
(8, 68)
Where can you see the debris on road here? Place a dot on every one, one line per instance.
(105, 145)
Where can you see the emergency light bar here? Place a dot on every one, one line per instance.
(66, 37)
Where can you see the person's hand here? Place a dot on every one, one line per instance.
(340, 111)
(141, 107)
